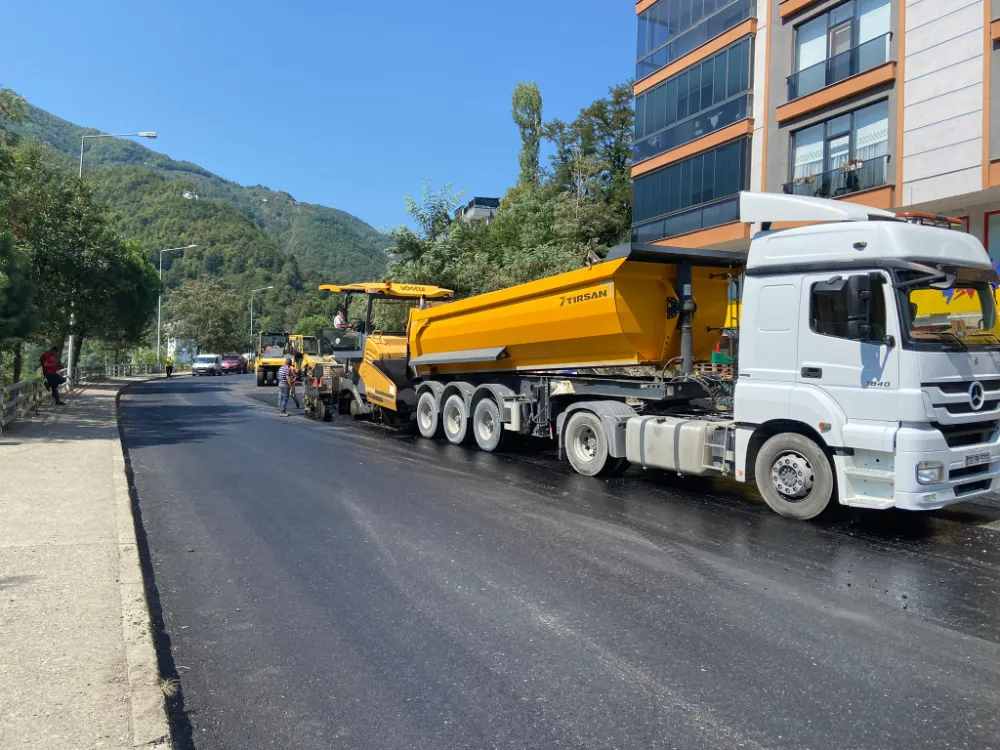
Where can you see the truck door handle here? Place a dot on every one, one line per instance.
(812, 372)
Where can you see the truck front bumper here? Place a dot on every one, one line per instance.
(964, 478)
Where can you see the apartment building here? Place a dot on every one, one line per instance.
(882, 102)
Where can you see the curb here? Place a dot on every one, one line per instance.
(147, 704)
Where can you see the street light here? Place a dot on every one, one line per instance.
(252, 292)
(83, 139)
(159, 298)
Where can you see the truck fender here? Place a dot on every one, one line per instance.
(502, 395)
(613, 415)
(465, 390)
(434, 387)
(750, 439)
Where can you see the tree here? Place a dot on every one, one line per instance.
(308, 325)
(207, 313)
(526, 109)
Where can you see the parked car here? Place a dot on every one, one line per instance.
(207, 364)
(234, 363)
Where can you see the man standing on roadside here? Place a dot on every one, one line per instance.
(286, 381)
(50, 370)
(170, 366)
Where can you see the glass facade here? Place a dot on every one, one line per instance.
(844, 41)
(706, 97)
(696, 193)
(670, 29)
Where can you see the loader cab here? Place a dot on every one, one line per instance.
(374, 345)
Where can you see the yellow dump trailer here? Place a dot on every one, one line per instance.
(614, 314)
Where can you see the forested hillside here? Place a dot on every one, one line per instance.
(324, 239)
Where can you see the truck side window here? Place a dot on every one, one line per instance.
(828, 311)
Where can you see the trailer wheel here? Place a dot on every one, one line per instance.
(794, 476)
(428, 416)
(587, 446)
(487, 425)
(455, 420)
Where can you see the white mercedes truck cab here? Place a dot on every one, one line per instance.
(869, 364)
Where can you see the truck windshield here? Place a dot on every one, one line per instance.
(951, 310)
(310, 345)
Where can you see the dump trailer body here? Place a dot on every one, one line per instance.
(617, 313)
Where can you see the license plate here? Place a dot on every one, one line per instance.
(977, 459)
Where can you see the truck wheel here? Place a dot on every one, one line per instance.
(455, 419)
(487, 425)
(794, 476)
(428, 416)
(587, 445)
(260, 379)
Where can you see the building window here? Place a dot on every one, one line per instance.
(670, 29)
(844, 41)
(842, 155)
(696, 193)
(993, 235)
(706, 97)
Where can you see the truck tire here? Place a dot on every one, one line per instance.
(260, 378)
(428, 416)
(455, 420)
(587, 446)
(487, 425)
(794, 476)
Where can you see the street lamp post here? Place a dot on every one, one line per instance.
(252, 291)
(159, 299)
(83, 139)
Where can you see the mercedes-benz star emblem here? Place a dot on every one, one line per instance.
(977, 395)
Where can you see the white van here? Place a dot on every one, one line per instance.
(207, 364)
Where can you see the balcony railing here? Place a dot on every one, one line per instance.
(856, 60)
(717, 213)
(701, 124)
(852, 177)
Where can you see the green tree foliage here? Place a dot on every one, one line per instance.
(209, 314)
(581, 205)
(526, 109)
(333, 243)
(308, 325)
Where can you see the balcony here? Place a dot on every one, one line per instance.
(694, 127)
(856, 60)
(852, 177)
(728, 17)
(717, 213)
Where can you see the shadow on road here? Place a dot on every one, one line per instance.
(155, 421)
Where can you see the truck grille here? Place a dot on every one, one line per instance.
(961, 435)
(967, 408)
(969, 487)
(968, 471)
(962, 386)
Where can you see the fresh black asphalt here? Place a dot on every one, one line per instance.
(339, 585)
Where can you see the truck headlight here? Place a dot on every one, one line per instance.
(930, 472)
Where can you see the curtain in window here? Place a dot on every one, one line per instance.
(808, 152)
(871, 131)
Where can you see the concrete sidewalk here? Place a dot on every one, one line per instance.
(77, 665)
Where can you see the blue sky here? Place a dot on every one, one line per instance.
(349, 103)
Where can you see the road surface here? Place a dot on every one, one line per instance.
(343, 586)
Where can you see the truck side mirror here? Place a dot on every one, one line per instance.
(859, 325)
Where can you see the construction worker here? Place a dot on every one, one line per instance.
(286, 384)
(170, 366)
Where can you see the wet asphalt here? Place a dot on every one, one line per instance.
(340, 585)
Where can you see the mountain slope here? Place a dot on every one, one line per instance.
(340, 246)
